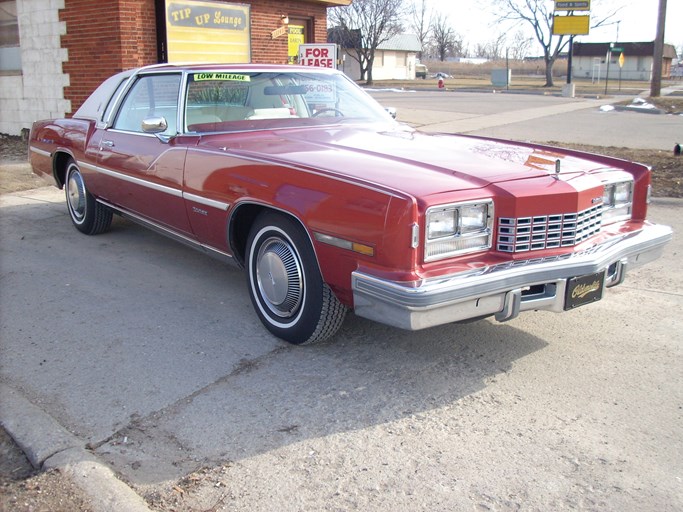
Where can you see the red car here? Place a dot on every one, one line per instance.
(298, 176)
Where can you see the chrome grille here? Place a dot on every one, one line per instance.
(547, 231)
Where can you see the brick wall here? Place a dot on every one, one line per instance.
(266, 16)
(104, 37)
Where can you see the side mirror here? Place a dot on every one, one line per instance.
(392, 111)
(154, 125)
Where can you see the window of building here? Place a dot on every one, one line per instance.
(10, 51)
(641, 64)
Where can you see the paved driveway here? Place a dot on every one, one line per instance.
(151, 354)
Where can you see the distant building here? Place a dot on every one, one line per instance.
(590, 60)
(395, 59)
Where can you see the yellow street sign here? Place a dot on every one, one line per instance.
(621, 60)
(571, 25)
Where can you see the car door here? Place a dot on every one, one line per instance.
(144, 171)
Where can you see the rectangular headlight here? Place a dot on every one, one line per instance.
(442, 223)
(456, 229)
(617, 201)
(473, 218)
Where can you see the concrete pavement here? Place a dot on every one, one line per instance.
(49, 444)
(284, 413)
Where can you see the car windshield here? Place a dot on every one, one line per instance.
(225, 101)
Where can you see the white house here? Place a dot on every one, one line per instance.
(590, 60)
(394, 59)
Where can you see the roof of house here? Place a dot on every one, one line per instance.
(402, 42)
(644, 49)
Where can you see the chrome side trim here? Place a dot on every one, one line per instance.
(131, 132)
(178, 237)
(207, 202)
(159, 188)
(503, 289)
(132, 179)
(40, 152)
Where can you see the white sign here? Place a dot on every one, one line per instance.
(318, 55)
(319, 92)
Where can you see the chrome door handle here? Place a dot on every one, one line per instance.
(108, 143)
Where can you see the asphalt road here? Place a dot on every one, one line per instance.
(533, 117)
(152, 356)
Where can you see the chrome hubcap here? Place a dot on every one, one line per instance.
(75, 194)
(279, 277)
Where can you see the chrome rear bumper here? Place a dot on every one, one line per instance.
(502, 290)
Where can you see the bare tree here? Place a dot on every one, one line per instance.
(366, 24)
(519, 46)
(421, 22)
(491, 50)
(444, 38)
(539, 15)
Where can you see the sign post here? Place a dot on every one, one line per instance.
(609, 58)
(614, 49)
(571, 25)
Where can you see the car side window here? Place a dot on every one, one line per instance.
(112, 100)
(150, 96)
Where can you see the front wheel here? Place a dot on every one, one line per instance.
(87, 215)
(285, 283)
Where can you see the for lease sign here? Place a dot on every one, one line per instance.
(318, 55)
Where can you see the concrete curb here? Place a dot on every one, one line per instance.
(48, 445)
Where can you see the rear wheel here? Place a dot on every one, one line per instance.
(285, 283)
(87, 215)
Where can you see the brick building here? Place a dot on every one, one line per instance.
(53, 53)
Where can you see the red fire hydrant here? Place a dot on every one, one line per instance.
(440, 82)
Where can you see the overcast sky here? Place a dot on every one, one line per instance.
(475, 20)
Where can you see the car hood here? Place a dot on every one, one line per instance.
(411, 161)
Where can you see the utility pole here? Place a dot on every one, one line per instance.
(656, 83)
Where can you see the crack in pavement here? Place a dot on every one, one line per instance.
(138, 423)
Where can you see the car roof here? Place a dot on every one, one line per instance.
(95, 104)
(234, 67)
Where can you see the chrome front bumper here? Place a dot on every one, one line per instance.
(502, 290)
